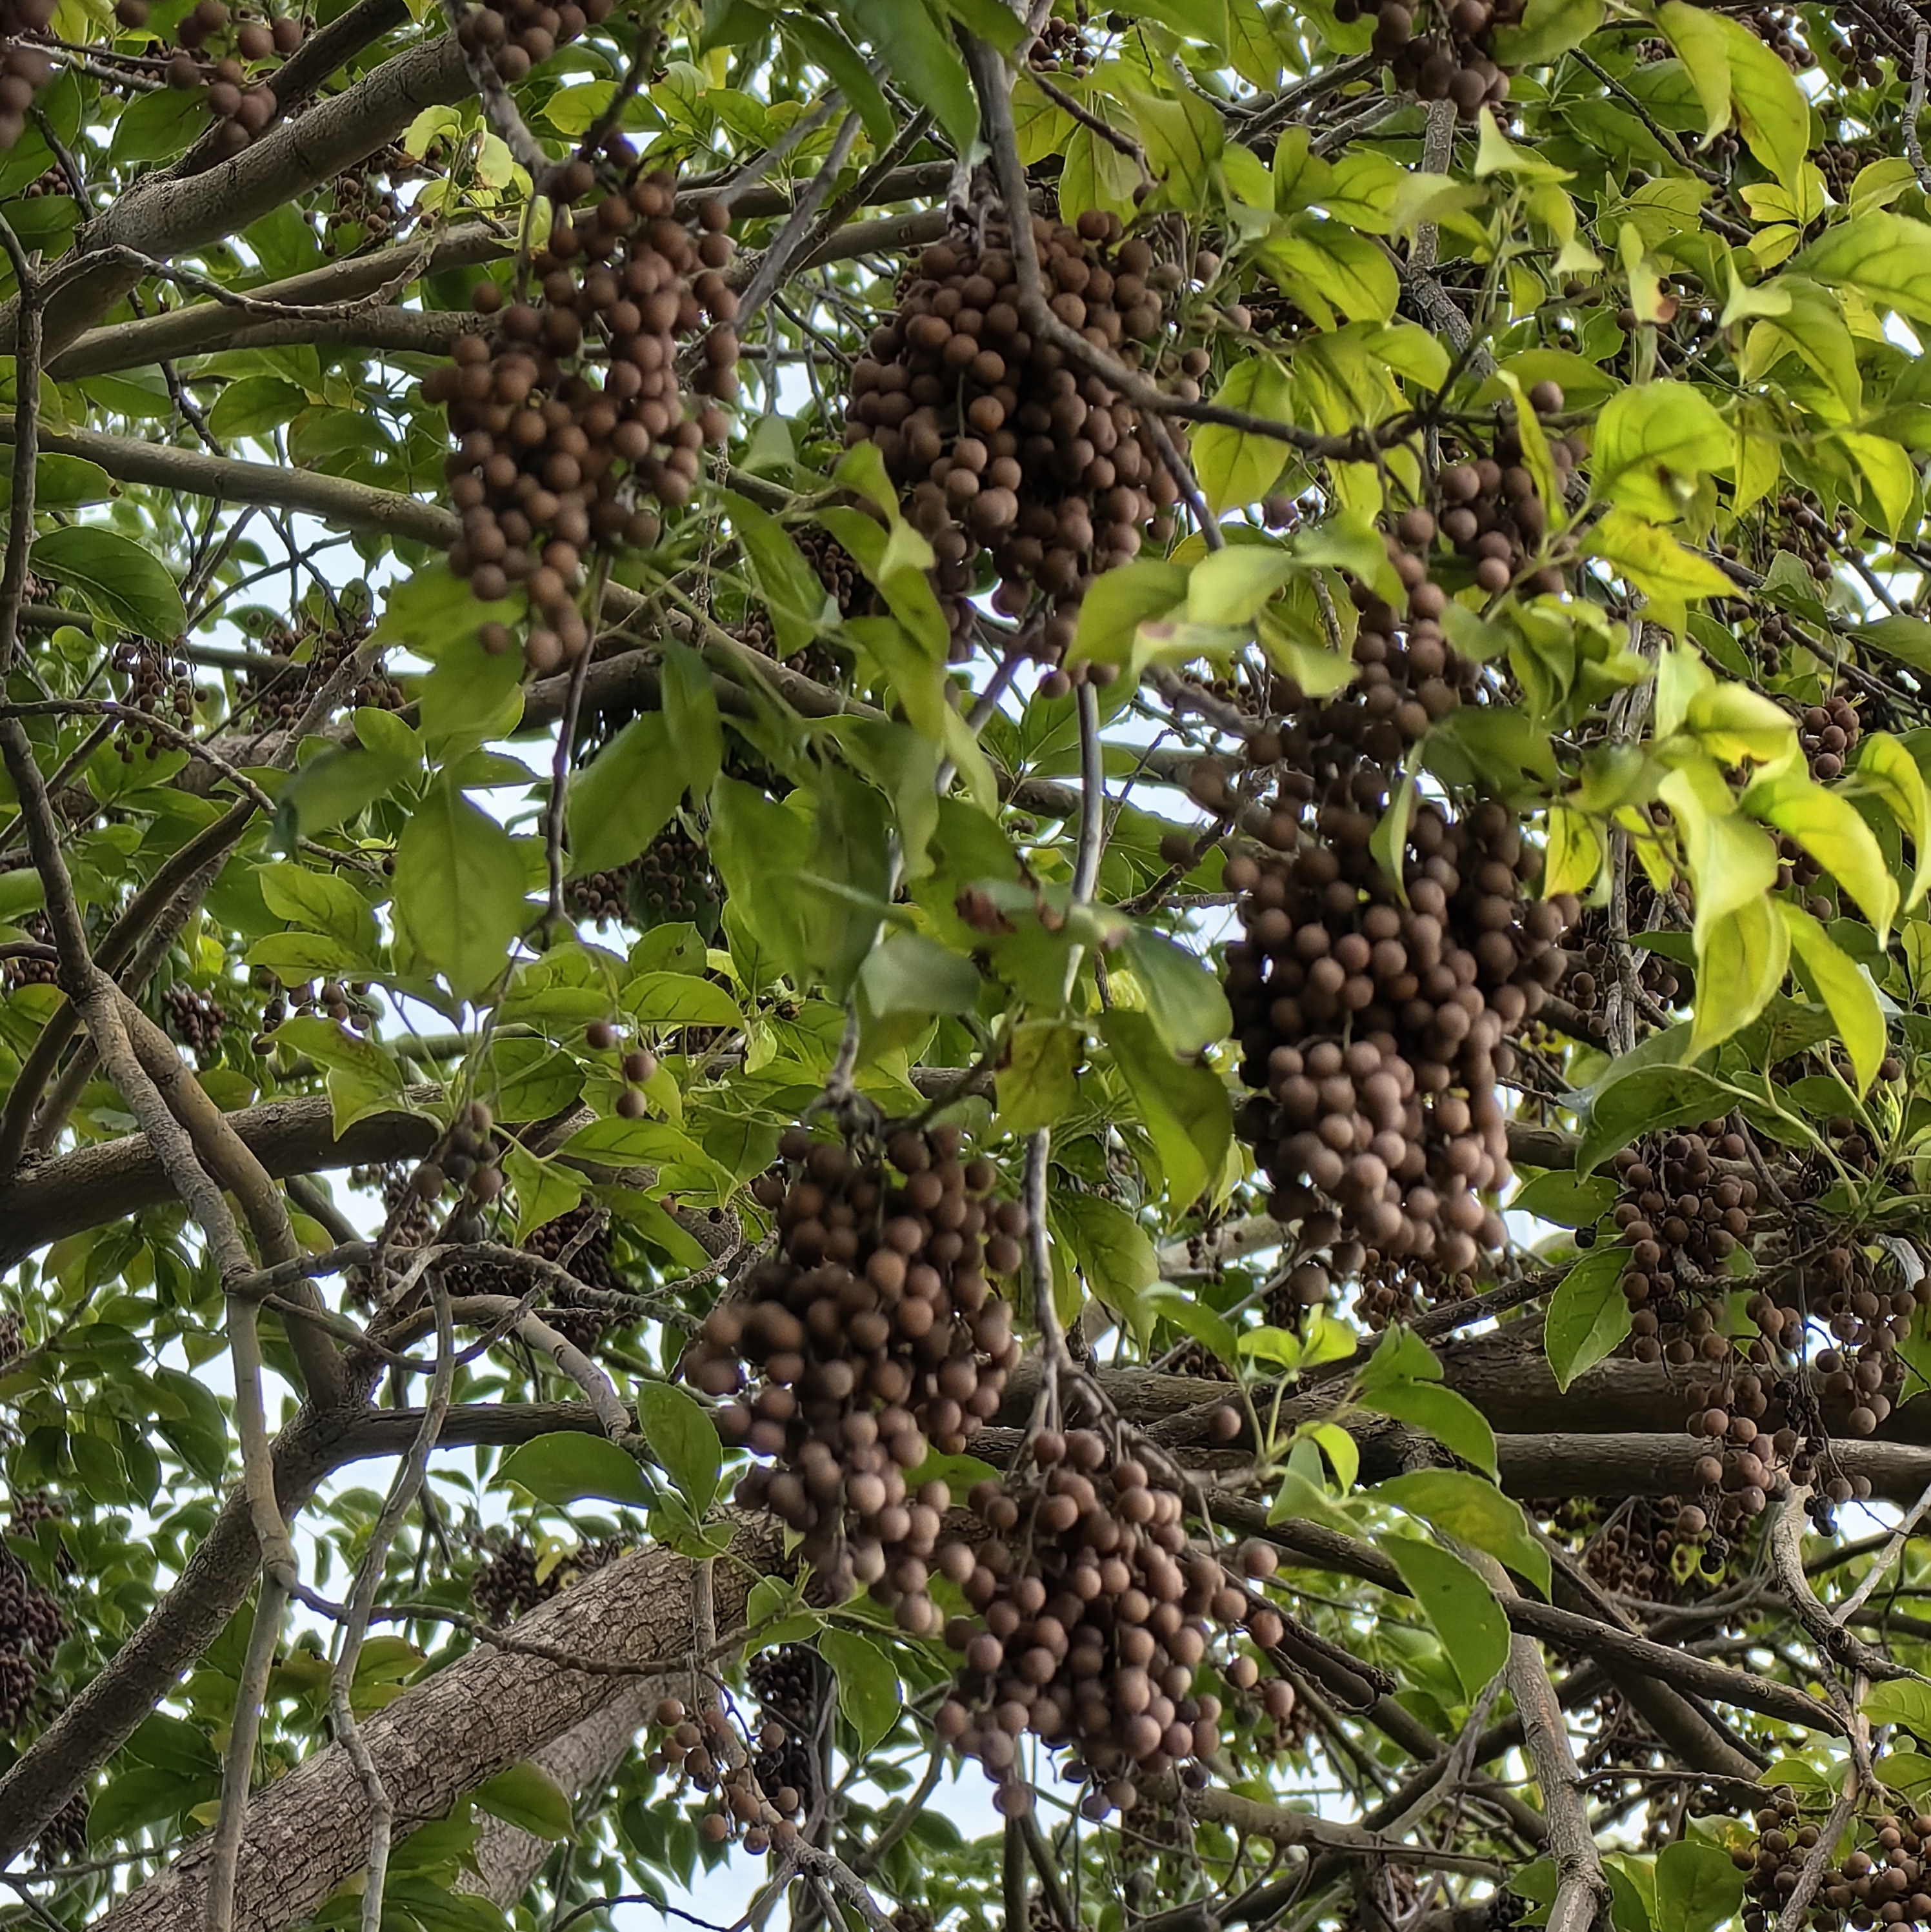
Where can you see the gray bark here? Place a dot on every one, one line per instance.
(308, 1833)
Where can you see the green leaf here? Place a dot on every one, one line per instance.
(1651, 443)
(1828, 826)
(526, 1796)
(925, 62)
(1119, 602)
(542, 1189)
(868, 1685)
(1462, 1608)
(1547, 28)
(459, 881)
(680, 999)
(336, 787)
(1740, 960)
(910, 973)
(1900, 1702)
(253, 404)
(1234, 467)
(1845, 988)
(1229, 585)
(625, 796)
(1643, 1100)
(1569, 1200)
(683, 1438)
(320, 901)
(1461, 1505)
(1112, 1250)
(116, 578)
(1652, 560)
(1697, 1887)
(1183, 997)
(1588, 1315)
(832, 51)
(1185, 1108)
(569, 1467)
(1037, 1085)
(1183, 138)
(1453, 1421)
(145, 1796)
(1885, 767)
(1887, 258)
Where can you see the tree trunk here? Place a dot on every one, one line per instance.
(308, 1833)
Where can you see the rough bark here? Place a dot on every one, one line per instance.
(582, 1761)
(308, 1833)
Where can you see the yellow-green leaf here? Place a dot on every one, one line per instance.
(1740, 959)
(1845, 988)
(1828, 827)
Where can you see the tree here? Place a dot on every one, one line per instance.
(1108, 836)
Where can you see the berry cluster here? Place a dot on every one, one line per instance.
(876, 1337)
(1828, 732)
(158, 684)
(1443, 56)
(241, 101)
(1681, 1219)
(1062, 48)
(584, 1234)
(1005, 448)
(1855, 47)
(364, 215)
(639, 1064)
(31, 1625)
(1091, 1622)
(1868, 1311)
(308, 657)
(196, 1019)
(550, 465)
(1590, 968)
(703, 1750)
(15, 973)
(671, 881)
(1887, 1882)
(1373, 1014)
(24, 69)
(509, 1582)
(519, 35)
(1492, 514)
(790, 1683)
(465, 1159)
(64, 1840)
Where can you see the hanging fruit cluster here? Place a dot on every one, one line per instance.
(549, 466)
(159, 685)
(637, 1063)
(790, 1684)
(1887, 1881)
(1591, 967)
(24, 69)
(1007, 450)
(216, 50)
(1373, 1014)
(1681, 1219)
(1440, 52)
(32, 1626)
(1091, 1622)
(517, 35)
(15, 973)
(1828, 733)
(703, 1750)
(196, 1019)
(306, 657)
(670, 881)
(510, 1582)
(876, 1337)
